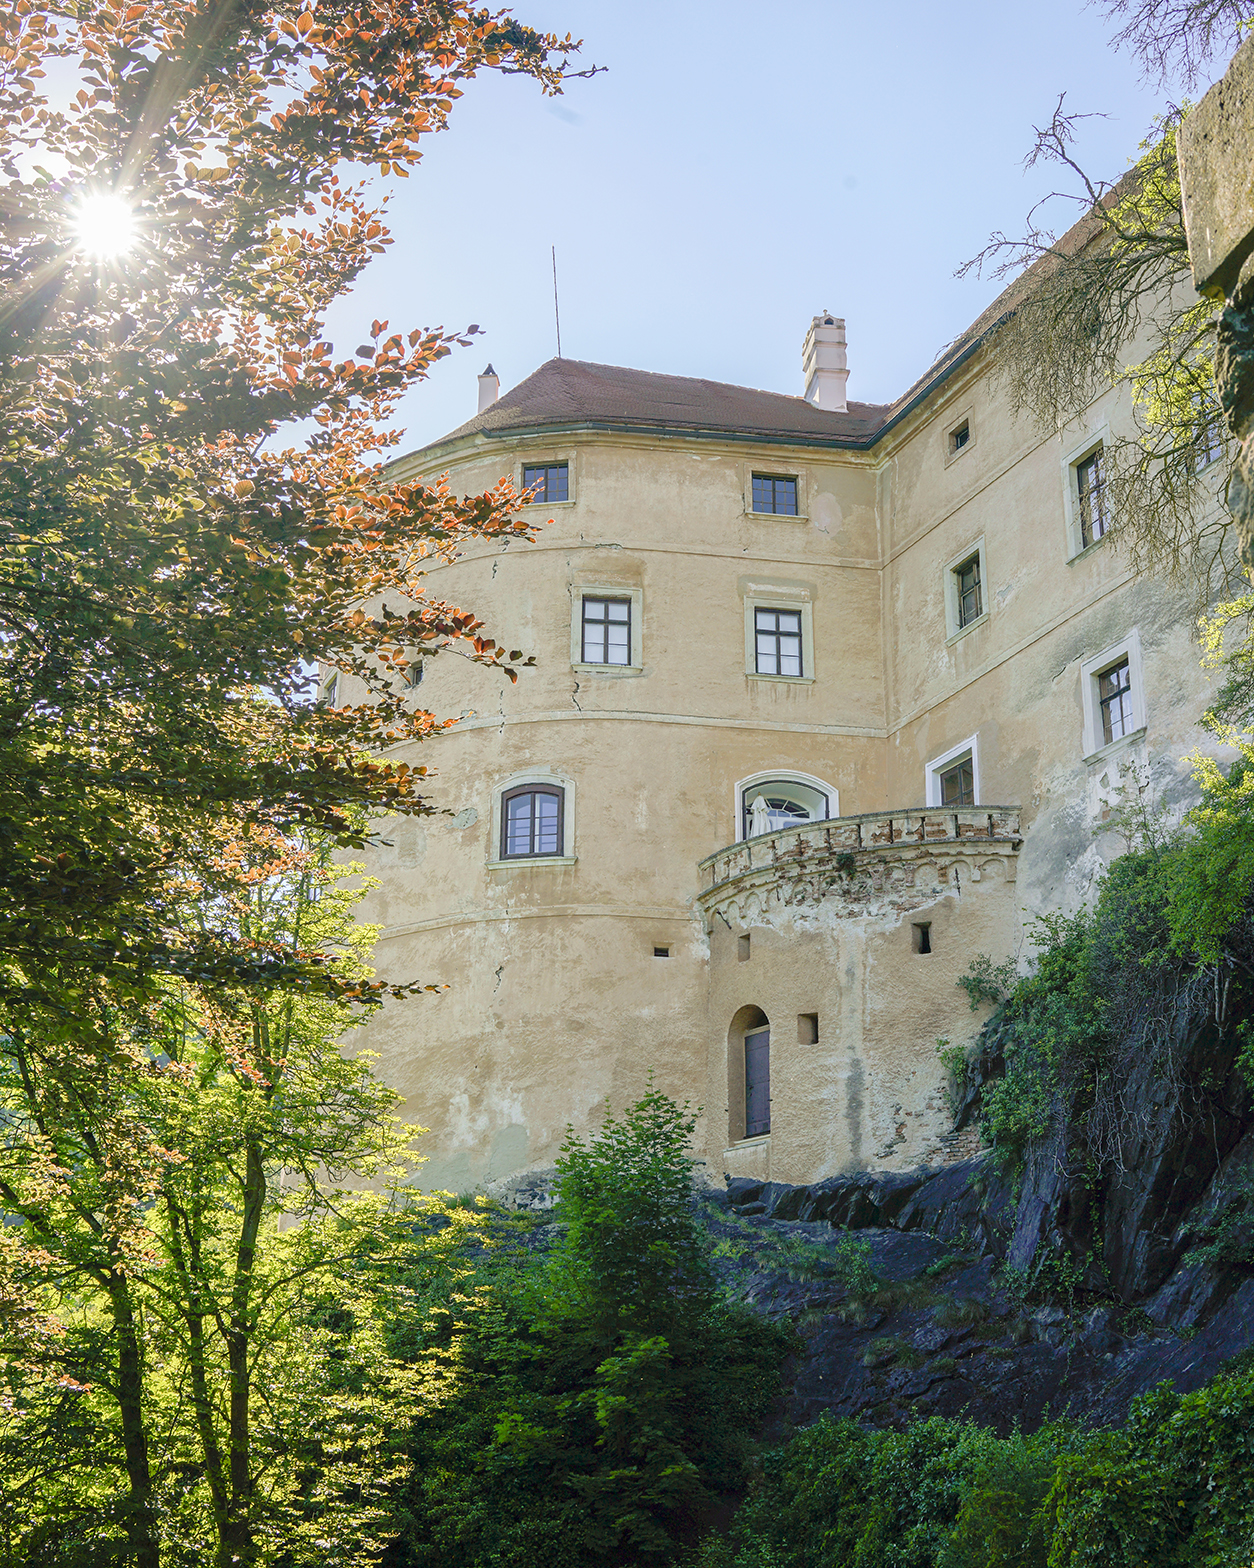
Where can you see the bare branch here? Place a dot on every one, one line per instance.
(1177, 38)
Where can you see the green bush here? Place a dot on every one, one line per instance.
(597, 1397)
(1174, 1487)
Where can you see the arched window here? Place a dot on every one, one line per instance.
(768, 804)
(532, 821)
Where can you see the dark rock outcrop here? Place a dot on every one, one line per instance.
(1073, 1290)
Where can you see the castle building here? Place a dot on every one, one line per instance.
(830, 697)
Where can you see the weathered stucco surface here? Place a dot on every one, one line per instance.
(556, 999)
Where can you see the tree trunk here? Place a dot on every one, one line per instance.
(237, 1548)
(141, 1525)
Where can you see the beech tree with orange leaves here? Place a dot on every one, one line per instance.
(174, 562)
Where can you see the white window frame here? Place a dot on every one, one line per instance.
(954, 631)
(542, 778)
(932, 770)
(746, 786)
(1096, 746)
(581, 591)
(1100, 437)
(779, 596)
(546, 459)
(775, 471)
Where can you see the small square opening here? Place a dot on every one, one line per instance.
(742, 948)
(922, 935)
(807, 1028)
(661, 952)
(959, 436)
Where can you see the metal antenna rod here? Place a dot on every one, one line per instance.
(556, 313)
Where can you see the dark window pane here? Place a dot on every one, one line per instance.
(547, 482)
(533, 823)
(773, 493)
(1090, 482)
(958, 784)
(1114, 691)
(970, 599)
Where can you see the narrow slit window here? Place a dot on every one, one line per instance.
(957, 783)
(546, 483)
(807, 1028)
(1114, 697)
(1090, 482)
(777, 642)
(775, 493)
(970, 591)
(531, 823)
(923, 937)
(742, 949)
(607, 631)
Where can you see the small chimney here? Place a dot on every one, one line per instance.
(823, 363)
(490, 387)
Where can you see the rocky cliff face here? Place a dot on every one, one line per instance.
(1072, 1292)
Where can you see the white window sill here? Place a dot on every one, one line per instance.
(1112, 748)
(748, 1143)
(527, 505)
(963, 630)
(780, 517)
(616, 671)
(521, 862)
(1088, 550)
(784, 680)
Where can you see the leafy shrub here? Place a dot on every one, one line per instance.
(595, 1396)
(986, 981)
(1174, 1487)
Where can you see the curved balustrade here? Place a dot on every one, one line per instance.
(862, 857)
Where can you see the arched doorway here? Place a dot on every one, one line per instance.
(748, 1075)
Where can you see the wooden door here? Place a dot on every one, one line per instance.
(757, 1083)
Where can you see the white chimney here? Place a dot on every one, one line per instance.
(490, 387)
(823, 363)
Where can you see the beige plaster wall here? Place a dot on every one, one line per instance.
(556, 1000)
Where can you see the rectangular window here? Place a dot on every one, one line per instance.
(970, 594)
(607, 631)
(960, 436)
(957, 784)
(777, 642)
(1114, 699)
(1090, 483)
(771, 493)
(531, 823)
(546, 483)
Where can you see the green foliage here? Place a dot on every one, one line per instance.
(595, 1394)
(1051, 1029)
(956, 1062)
(986, 981)
(1175, 1486)
(635, 1254)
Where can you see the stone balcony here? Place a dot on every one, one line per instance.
(881, 862)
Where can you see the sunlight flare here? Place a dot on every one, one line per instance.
(105, 225)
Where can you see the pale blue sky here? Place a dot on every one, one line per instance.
(737, 169)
